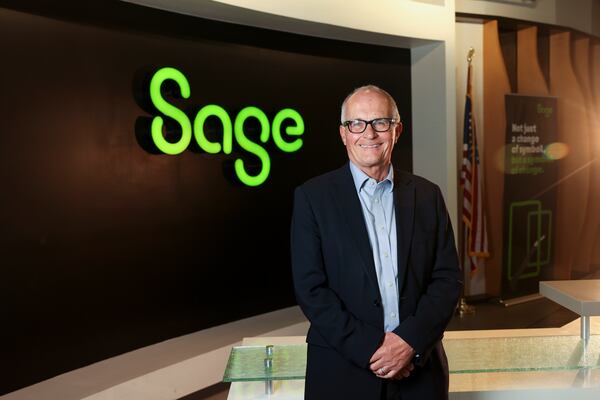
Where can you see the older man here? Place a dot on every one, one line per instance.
(375, 267)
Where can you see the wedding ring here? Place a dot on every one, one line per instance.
(381, 371)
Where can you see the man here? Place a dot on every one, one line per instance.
(375, 267)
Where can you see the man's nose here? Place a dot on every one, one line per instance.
(370, 132)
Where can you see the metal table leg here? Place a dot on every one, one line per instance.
(585, 327)
(268, 386)
(268, 369)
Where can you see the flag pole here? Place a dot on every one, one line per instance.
(463, 307)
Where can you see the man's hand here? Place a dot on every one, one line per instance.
(393, 358)
(404, 372)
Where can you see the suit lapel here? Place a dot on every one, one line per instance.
(404, 204)
(347, 198)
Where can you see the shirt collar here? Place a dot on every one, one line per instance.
(360, 178)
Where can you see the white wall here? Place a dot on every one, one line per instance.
(576, 14)
(543, 11)
(402, 18)
(434, 134)
(579, 17)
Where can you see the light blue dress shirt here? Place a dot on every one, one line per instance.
(377, 201)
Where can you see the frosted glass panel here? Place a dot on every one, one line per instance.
(521, 354)
(247, 363)
(510, 354)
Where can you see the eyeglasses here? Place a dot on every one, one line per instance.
(378, 124)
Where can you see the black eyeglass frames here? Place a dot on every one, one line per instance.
(378, 124)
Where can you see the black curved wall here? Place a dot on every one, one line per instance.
(106, 247)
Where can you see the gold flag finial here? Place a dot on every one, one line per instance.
(470, 55)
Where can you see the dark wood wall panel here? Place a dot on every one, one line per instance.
(496, 84)
(595, 139)
(573, 130)
(581, 63)
(547, 62)
(530, 78)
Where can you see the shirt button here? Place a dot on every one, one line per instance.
(385, 255)
(393, 315)
(390, 284)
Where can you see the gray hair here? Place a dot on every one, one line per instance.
(366, 88)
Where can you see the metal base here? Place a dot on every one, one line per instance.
(585, 327)
(269, 387)
(464, 308)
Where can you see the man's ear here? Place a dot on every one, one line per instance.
(398, 131)
(343, 133)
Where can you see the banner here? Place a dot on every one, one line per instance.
(530, 174)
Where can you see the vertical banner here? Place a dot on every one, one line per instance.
(530, 174)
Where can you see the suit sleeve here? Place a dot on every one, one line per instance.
(435, 308)
(352, 338)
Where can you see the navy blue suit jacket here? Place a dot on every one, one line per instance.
(336, 285)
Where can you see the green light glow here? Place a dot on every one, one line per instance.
(297, 130)
(252, 147)
(219, 112)
(169, 110)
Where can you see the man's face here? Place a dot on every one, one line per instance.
(370, 150)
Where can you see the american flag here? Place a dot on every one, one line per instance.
(473, 215)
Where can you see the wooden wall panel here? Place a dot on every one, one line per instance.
(573, 77)
(595, 88)
(572, 192)
(530, 78)
(495, 85)
(595, 74)
(581, 64)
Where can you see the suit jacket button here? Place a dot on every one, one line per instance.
(376, 303)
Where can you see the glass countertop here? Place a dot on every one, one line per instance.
(504, 354)
(513, 354)
(247, 363)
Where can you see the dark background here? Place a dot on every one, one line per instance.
(105, 247)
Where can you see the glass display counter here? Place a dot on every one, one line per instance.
(465, 356)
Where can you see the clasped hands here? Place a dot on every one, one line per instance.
(392, 360)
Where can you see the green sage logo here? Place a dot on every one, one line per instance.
(230, 130)
(546, 111)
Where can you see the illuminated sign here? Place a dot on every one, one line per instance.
(230, 131)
